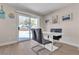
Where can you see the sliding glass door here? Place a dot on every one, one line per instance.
(33, 23)
(25, 25)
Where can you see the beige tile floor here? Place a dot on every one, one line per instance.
(24, 48)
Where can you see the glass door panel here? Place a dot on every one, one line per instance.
(25, 25)
(33, 24)
(24, 28)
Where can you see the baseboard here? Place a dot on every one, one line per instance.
(8, 43)
(75, 45)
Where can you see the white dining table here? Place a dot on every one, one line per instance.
(50, 47)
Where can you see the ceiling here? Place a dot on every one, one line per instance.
(39, 8)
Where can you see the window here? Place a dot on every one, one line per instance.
(25, 25)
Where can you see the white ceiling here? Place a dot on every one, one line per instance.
(39, 8)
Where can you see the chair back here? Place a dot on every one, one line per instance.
(39, 35)
(33, 34)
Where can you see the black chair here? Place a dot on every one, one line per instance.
(56, 41)
(38, 37)
(56, 38)
(33, 34)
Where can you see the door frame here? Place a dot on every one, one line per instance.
(17, 18)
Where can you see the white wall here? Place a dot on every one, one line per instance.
(8, 31)
(70, 28)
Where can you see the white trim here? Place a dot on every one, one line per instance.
(72, 44)
(8, 43)
(27, 13)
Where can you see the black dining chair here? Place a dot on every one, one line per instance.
(38, 37)
(56, 38)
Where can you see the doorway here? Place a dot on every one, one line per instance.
(25, 25)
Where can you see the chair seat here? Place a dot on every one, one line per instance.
(46, 41)
(57, 37)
